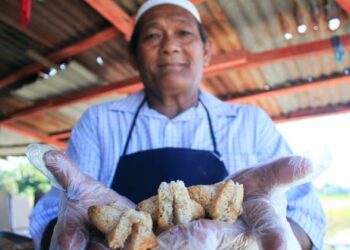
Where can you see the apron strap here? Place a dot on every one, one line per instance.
(211, 129)
(133, 125)
(212, 135)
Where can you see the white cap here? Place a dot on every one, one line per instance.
(187, 5)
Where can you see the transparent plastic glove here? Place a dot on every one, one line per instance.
(264, 204)
(207, 235)
(78, 193)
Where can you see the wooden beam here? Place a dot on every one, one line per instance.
(197, 1)
(313, 113)
(123, 87)
(239, 59)
(117, 16)
(223, 62)
(69, 51)
(293, 90)
(114, 14)
(61, 135)
(35, 135)
(345, 4)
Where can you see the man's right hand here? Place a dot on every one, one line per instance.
(79, 192)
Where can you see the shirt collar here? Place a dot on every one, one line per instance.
(213, 104)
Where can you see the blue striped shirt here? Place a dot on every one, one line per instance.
(245, 135)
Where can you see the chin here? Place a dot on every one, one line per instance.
(177, 87)
(177, 82)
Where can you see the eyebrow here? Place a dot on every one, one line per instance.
(176, 19)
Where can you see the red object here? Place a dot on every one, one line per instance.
(25, 12)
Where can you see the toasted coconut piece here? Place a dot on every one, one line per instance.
(142, 237)
(227, 204)
(203, 194)
(137, 226)
(185, 209)
(165, 200)
(151, 206)
(104, 217)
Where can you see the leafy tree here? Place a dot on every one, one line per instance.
(23, 179)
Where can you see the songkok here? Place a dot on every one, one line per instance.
(187, 5)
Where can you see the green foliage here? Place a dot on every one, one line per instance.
(337, 210)
(23, 179)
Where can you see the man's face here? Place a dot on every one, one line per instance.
(170, 53)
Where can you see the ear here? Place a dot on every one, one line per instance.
(207, 52)
(132, 60)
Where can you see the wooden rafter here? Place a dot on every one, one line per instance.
(61, 136)
(313, 113)
(83, 95)
(117, 16)
(345, 4)
(245, 60)
(294, 89)
(114, 14)
(35, 135)
(69, 51)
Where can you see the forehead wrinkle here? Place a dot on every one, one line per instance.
(156, 21)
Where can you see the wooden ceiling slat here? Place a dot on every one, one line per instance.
(345, 4)
(125, 86)
(239, 59)
(114, 14)
(35, 135)
(295, 51)
(294, 89)
(313, 113)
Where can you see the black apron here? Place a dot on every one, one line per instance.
(139, 174)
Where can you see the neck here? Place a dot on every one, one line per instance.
(172, 105)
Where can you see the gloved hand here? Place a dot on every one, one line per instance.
(78, 193)
(263, 223)
(264, 205)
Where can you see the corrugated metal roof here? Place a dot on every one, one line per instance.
(12, 143)
(116, 65)
(73, 78)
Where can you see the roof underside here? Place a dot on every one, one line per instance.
(252, 61)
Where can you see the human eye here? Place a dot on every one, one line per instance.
(185, 32)
(151, 36)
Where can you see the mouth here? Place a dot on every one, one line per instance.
(174, 66)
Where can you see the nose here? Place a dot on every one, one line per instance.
(170, 45)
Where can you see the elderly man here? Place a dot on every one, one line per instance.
(173, 130)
